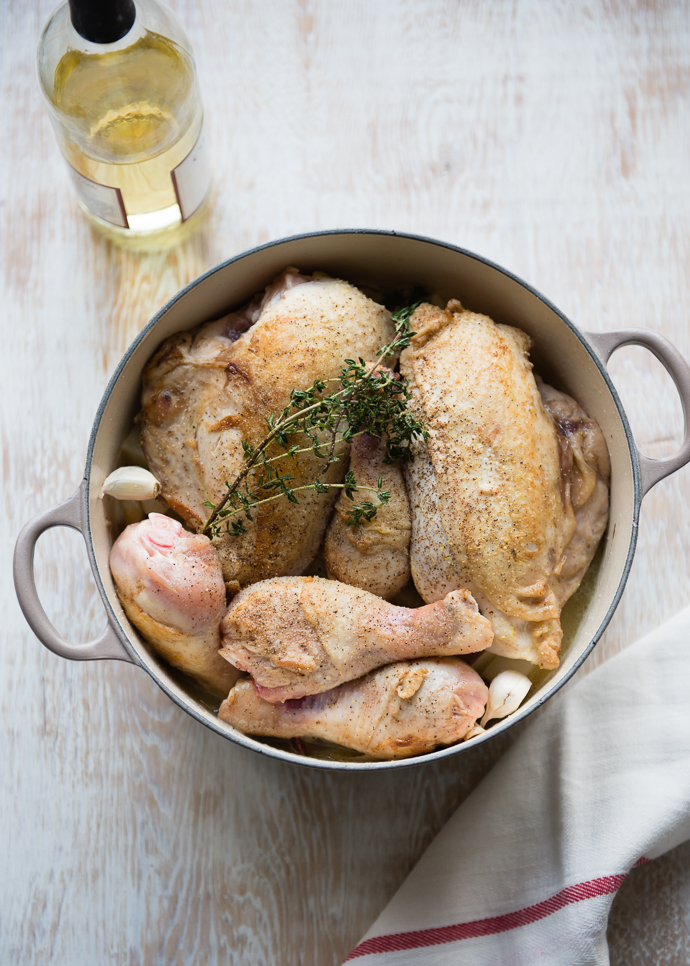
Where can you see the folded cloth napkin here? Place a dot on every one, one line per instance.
(526, 870)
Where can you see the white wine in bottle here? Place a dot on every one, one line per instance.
(120, 83)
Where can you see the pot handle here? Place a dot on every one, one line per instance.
(605, 344)
(67, 514)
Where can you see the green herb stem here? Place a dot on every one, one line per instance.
(227, 515)
(372, 400)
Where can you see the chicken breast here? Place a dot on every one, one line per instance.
(207, 392)
(171, 587)
(405, 709)
(375, 554)
(491, 491)
(303, 635)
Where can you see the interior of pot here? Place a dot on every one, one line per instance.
(384, 262)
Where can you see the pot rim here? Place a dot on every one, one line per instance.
(210, 721)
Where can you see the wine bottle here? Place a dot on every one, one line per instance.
(120, 83)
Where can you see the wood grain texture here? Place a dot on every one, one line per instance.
(551, 137)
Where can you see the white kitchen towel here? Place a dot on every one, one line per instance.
(526, 870)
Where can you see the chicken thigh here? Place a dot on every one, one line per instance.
(492, 490)
(207, 392)
(171, 587)
(375, 554)
(585, 470)
(401, 710)
(303, 635)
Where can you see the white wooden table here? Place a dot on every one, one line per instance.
(551, 137)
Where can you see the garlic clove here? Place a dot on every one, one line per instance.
(410, 682)
(507, 691)
(131, 483)
(474, 732)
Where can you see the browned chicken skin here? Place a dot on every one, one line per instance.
(206, 392)
(405, 709)
(509, 498)
(374, 555)
(303, 635)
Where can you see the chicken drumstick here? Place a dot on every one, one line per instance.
(398, 711)
(303, 635)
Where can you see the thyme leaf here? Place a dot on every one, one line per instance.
(369, 399)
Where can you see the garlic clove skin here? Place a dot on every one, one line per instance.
(507, 691)
(131, 483)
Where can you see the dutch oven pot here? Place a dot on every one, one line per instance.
(574, 361)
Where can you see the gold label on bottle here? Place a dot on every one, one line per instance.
(105, 202)
(191, 178)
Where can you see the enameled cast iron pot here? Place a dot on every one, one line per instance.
(572, 360)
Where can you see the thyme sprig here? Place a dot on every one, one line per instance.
(371, 399)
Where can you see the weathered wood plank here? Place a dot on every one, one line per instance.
(550, 137)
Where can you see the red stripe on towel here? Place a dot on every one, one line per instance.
(488, 927)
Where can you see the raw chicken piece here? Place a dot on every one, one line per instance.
(375, 554)
(491, 491)
(302, 635)
(401, 710)
(208, 391)
(171, 587)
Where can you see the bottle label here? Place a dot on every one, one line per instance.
(188, 186)
(191, 178)
(105, 202)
